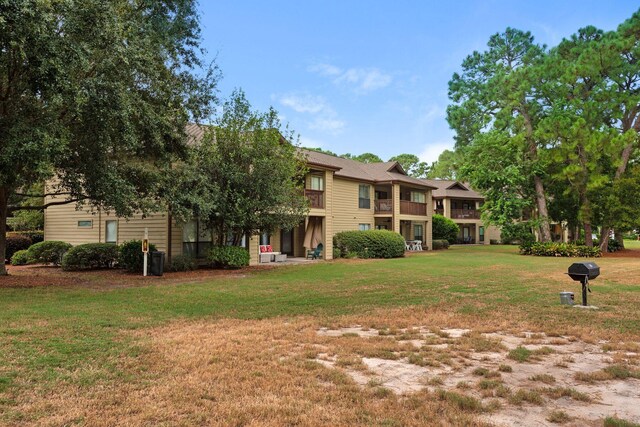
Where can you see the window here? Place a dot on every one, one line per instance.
(364, 202)
(196, 239)
(481, 234)
(381, 227)
(364, 227)
(417, 232)
(265, 239)
(317, 183)
(85, 223)
(111, 231)
(418, 197)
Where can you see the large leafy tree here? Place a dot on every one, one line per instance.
(494, 99)
(412, 165)
(447, 165)
(96, 94)
(245, 177)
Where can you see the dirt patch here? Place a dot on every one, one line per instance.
(37, 276)
(530, 378)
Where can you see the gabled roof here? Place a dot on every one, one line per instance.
(453, 189)
(387, 172)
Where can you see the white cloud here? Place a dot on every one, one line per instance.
(431, 151)
(325, 69)
(304, 103)
(323, 117)
(361, 80)
(329, 125)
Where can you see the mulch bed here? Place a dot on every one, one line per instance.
(624, 253)
(31, 276)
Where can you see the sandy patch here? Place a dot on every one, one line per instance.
(551, 373)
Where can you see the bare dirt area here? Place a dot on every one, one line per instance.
(525, 379)
(30, 276)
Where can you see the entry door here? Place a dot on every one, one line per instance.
(286, 242)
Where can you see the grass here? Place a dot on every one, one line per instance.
(617, 422)
(234, 340)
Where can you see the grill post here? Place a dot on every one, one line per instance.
(585, 286)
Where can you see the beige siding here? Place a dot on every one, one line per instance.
(61, 223)
(345, 212)
(133, 229)
(328, 227)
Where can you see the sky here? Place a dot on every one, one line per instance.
(355, 76)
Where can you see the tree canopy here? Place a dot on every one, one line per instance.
(552, 131)
(97, 95)
(244, 178)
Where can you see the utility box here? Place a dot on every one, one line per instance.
(157, 263)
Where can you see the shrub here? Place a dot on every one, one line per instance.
(48, 252)
(15, 243)
(370, 243)
(440, 244)
(20, 257)
(559, 250)
(494, 242)
(444, 228)
(517, 233)
(614, 246)
(130, 255)
(183, 263)
(229, 256)
(36, 236)
(90, 256)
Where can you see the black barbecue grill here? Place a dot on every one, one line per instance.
(583, 272)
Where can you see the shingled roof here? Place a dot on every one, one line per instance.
(453, 189)
(385, 172)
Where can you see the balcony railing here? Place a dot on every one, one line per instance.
(412, 208)
(438, 211)
(383, 206)
(465, 213)
(316, 198)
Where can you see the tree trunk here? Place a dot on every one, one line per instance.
(588, 238)
(4, 211)
(543, 213)
(620, 239)
(604, 239)
(541, 200)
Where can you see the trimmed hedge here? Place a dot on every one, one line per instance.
(370, 243)
(444, 228)
(90, 256)
(130, 255)
(183, 263)
(559, 250)
(440, 244)
(20, 257)
(48, 252)
(15, 243)
(229, 256)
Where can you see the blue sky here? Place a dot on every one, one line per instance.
(371, 76)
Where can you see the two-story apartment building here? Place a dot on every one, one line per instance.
(459, 202)
(343, 194)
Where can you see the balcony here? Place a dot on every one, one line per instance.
(465, 214)
(413, 208)
(316, 198)
(438, 211)
(383, 206)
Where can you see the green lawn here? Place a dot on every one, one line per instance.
(51, 335)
